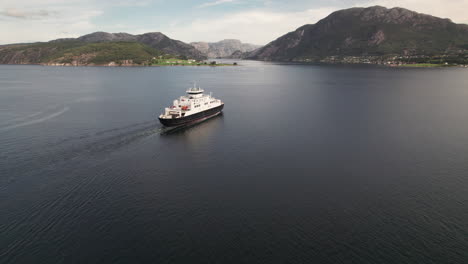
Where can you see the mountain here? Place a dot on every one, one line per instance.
(372, 31)
(99, 48)
(237, 55)
(224, 48)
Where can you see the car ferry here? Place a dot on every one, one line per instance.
(191, 108)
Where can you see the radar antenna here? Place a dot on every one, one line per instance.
(195, 85)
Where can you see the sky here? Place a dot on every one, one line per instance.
(251, 21)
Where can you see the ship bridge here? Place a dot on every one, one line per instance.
(195, 92)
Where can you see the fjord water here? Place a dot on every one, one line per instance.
(308, 164)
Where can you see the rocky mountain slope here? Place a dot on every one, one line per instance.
(368, 31)
(99, 48)
(224, 48)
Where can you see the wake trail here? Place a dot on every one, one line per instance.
(22, 118)
(35, 121)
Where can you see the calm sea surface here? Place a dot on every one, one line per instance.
(308, 164)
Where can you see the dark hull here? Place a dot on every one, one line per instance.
(198, 117)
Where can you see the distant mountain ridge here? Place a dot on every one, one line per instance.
(368, 31)
(98, 47)
(224, 48)
(156, 40)
(362, 33)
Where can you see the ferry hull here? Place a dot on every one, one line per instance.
(198, 117)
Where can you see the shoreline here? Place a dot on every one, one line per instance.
(125, 65)
(405, 65)
(418, 65)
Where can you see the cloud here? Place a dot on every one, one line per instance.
(33, 20)
(26, 14)
(57, 22)
(137, 3)
(256, 26)
(215, 3)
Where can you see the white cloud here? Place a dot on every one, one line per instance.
(26, 14)
(44, 20)
(215, 3)
(30, 26)
(30, 21)
(257, 26)
(138, 3)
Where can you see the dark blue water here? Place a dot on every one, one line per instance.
(308, 164)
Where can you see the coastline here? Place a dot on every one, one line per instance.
(123, 65)
(113, 64)
(153, 63)
(127, 65)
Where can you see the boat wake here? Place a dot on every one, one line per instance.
(31, 119)
(8, 122)
(51, 155)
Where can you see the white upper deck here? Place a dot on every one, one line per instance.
(195, 90)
